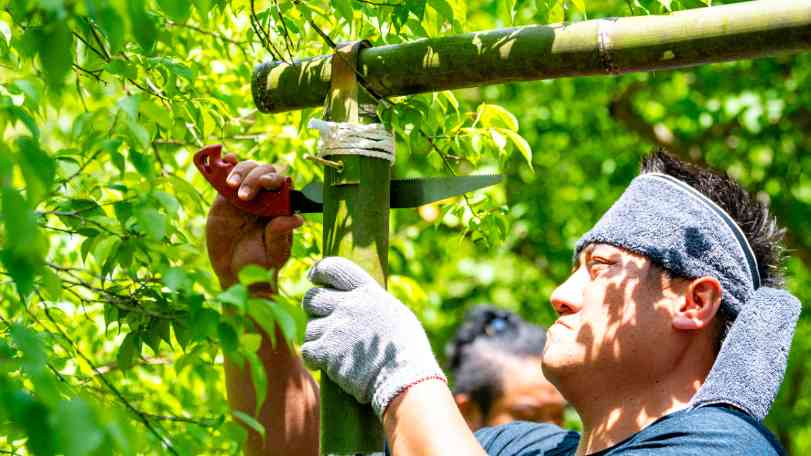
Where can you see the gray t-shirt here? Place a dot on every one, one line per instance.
(705, 431)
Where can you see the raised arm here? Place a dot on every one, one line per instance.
(374, 348)
(234, 240)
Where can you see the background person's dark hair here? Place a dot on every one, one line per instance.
(761, 229)
(485, 339)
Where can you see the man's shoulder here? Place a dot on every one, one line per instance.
(703, 431)
(521, 438)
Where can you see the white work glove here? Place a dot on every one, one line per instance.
(366, 341)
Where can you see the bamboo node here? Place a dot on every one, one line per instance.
(604, 27)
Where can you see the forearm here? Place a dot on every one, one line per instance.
(290, 414)
(426, 421)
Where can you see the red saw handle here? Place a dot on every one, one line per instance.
(266, 204)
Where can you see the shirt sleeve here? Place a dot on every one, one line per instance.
(706, 431)
(521, 438)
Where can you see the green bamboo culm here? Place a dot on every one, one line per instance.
(356, 226)
(595, 47)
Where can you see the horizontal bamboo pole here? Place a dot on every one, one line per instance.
(596, 47)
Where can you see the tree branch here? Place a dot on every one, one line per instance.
(143, 418)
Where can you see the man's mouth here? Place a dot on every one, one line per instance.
(562, 323)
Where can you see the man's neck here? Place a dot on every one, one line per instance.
(605, 425)
(614, 414)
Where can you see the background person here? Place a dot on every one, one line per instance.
(495, 362)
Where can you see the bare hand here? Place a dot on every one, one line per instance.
(235, 238)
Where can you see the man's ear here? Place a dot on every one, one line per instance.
(469, 409)
(700, 304)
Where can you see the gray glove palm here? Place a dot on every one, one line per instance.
(366, 341)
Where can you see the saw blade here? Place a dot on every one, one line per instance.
(421, 191)
(417, 192)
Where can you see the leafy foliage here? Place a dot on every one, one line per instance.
(113, 328)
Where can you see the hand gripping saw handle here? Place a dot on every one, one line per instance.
(266, 203)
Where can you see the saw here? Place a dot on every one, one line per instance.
(404, 193)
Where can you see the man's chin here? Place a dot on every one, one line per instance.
(556, 368)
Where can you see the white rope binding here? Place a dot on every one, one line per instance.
(343, 138)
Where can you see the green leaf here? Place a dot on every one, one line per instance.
(139, 135)
(169, 202)
(32, 348)
(5, 28)
(252, 274)
(250, 342)
(142, 163)
(344, 8)
(444, 9)
(55, 47)
(103, 249)
(285, 320)
(204, 323)
(491, 116)
(143, 25)
(580, 5)
(498, 138)
(110, 315)
(556, 14)
(129, 105)
(182, 332)
(176, 280)
(178, 10)
(521, 144)
(259, 379)
(164, 330)
(228, 339)
(176, 68)
(236, 295)
(52, 284)
(38, 168)
(250, 422)
(6, 165)
(152, 336)
(261, 312)
(22, 268)
(77, 428)
(33, 416)
(151, 222)
(26, 119)
(129, 350)
(22, 258)
(122, 68)
(19, 219)
(32, 91)
(113, 26)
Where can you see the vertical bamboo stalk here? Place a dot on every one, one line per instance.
(356, 226)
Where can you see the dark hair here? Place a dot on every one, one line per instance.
(477, 352)
(752, 215)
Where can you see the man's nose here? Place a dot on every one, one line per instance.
(568, 296)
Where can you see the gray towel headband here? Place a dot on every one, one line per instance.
(746, 249)
(677, 228)
(682, 231)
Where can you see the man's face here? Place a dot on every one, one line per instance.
(614, 325)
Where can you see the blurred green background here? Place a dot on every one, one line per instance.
(112, 326)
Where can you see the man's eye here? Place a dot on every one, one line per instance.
(599, 264)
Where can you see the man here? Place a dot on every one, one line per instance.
(670, 338)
